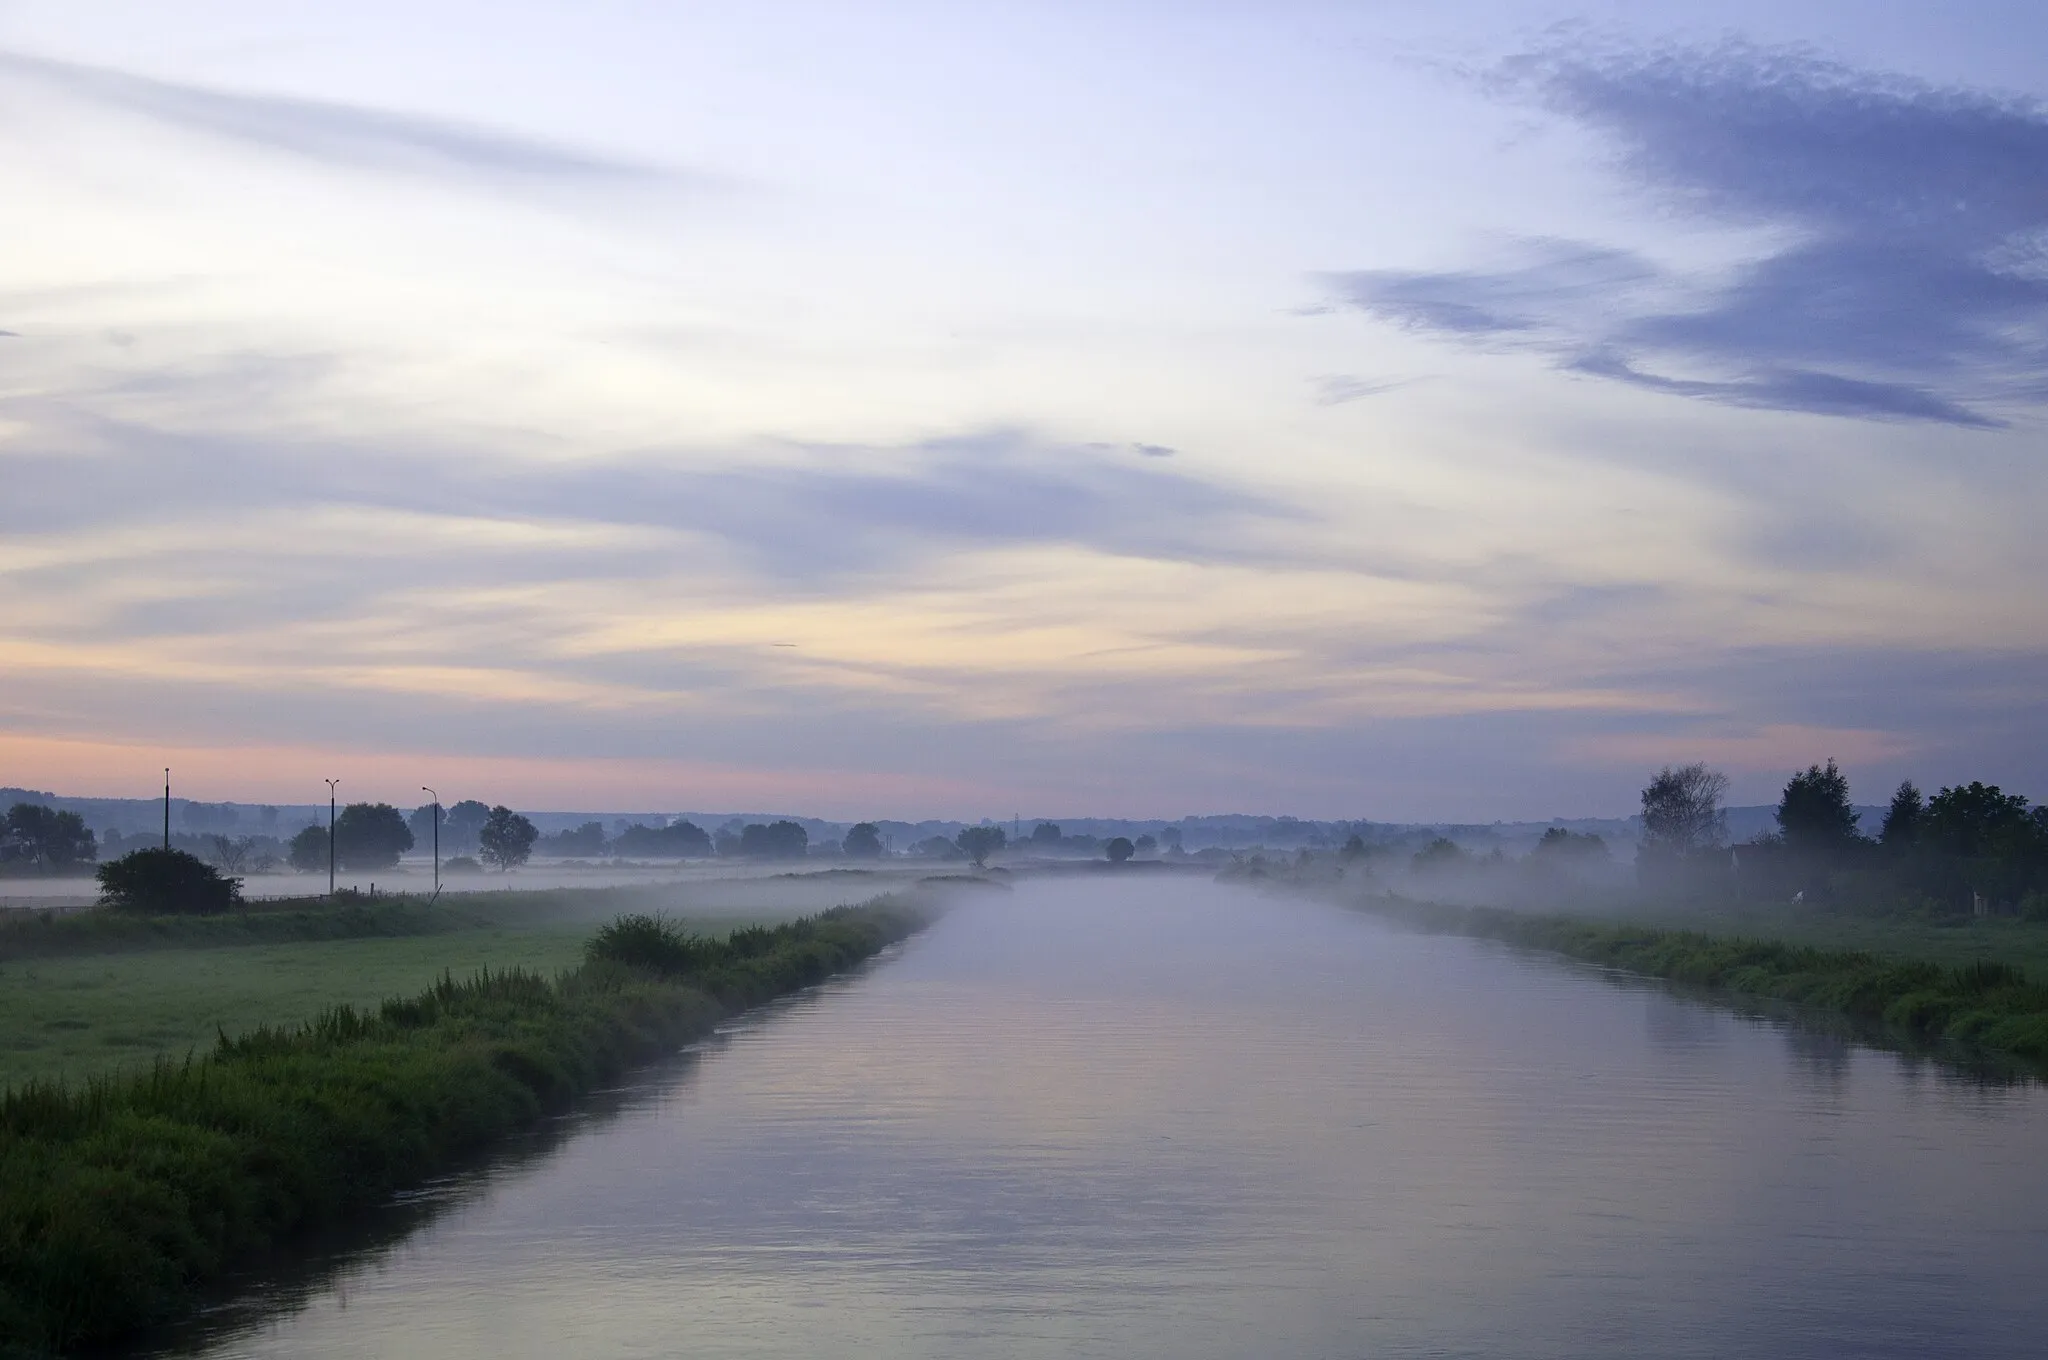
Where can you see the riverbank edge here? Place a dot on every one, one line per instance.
(1983, 1007)
(125, 1200)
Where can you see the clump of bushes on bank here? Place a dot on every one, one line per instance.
(121, 1200)
(167, 882)
(1986, 1005)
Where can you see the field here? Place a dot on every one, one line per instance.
(75, 1017)
(89, 995)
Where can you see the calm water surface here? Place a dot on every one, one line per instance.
(1170, 1120)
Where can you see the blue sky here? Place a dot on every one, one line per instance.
(1386, 411)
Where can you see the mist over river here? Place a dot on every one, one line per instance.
(1163, 1118)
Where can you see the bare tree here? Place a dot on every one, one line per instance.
(1682, 811)
(230, 853)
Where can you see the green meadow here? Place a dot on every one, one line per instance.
(94, 993)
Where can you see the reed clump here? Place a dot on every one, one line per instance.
(1985, 1005)
(122, 1199)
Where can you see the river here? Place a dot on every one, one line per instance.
(1149, 1118)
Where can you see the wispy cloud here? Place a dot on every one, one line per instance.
(338, 134)
(1911, 285)
(1335, 389)
(795, 514)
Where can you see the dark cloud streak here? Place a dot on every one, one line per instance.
(829, 512)
(1910, 287)
(336, 133)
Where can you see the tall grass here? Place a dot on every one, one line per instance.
(122, 1199)
(1989, 1006)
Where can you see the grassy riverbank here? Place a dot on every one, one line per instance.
(122, 1199)
(102, 992)
(1987, 1005)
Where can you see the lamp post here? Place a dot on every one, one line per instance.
(330, 835)
(437, 839)
(167, 807)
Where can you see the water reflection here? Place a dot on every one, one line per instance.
(1169, 1120)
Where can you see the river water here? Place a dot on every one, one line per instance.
(1169, 1119)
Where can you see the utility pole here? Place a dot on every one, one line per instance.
(167, 807)
(437, 839)
(330, 835)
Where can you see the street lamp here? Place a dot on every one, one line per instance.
(167, 807)
(330, 835)
(437, 839)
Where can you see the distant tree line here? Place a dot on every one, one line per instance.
(370, 836)
(1970, 848)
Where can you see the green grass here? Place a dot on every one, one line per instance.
(1979, 1004)
(101, 992)
(89, 1015)
(1954, 942)
(123, 1199)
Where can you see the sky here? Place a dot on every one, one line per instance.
(1447, 412)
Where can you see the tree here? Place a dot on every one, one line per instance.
(506, 838)
(1977, 819)
(1814, 813)
(464, 823)
(53, 839)
(370, 836)
(587, 839)
(308, 852)
(1354, 848)
(979, 842)
(1902, 819)
(1146, 844)
(231, 853)
(936, 847)
(421, 824)
(1440, 854)
(863, 841)
(1682, 812)
(162, 881)
(1559, 846)
(679, 840)
(1119, 849)
(1170, 838)
(1045, 836)
(776, 840)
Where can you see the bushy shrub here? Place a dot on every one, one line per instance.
(654, 942)
(166, 882)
